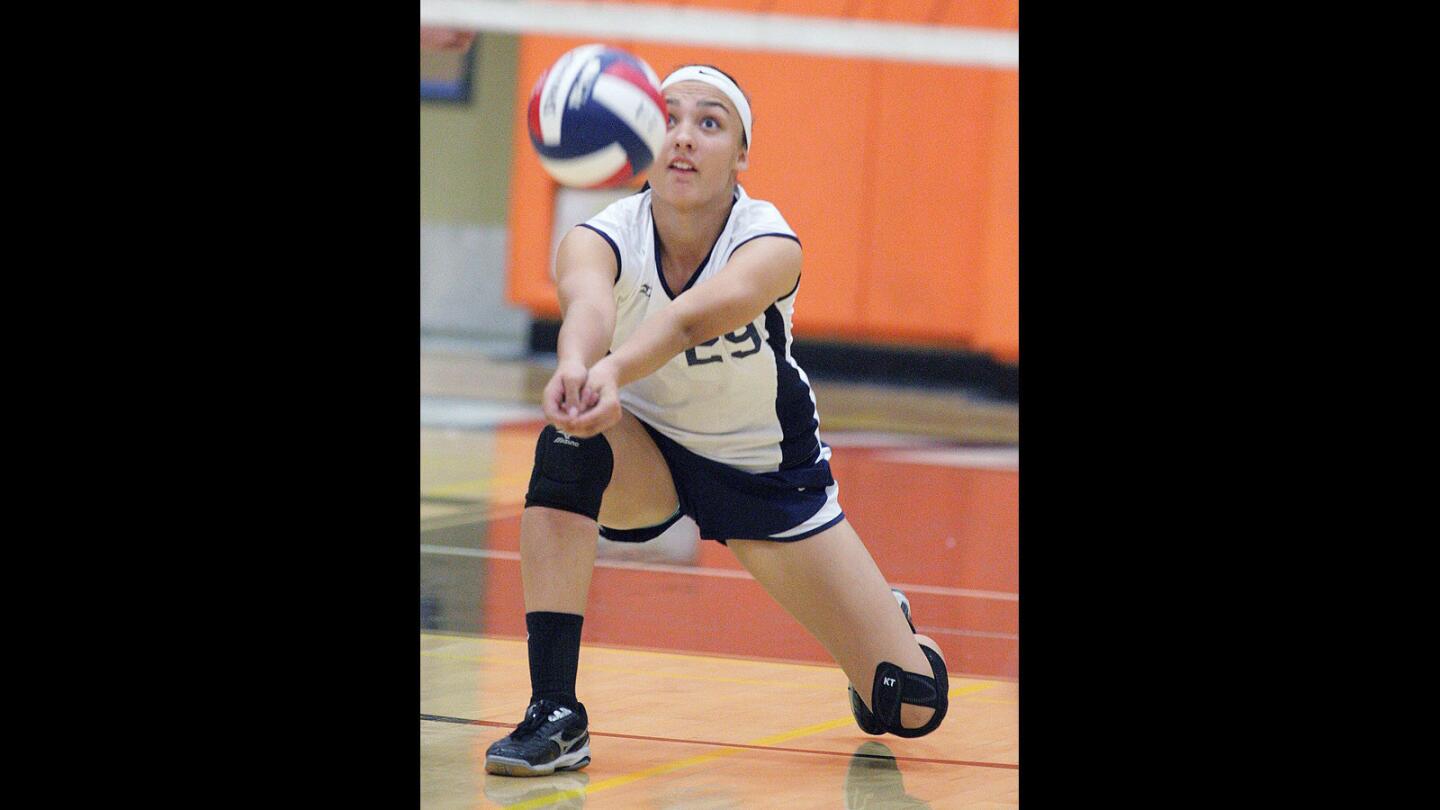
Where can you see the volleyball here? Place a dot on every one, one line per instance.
(596, 117)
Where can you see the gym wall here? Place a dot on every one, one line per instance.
(901, 179)
(464, 204)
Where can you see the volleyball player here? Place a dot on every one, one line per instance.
(675, 394)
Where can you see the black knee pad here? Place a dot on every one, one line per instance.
(894, 686)
(570, 474)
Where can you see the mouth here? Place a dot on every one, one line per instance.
(682, 165)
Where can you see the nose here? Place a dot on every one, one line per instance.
(684, 137)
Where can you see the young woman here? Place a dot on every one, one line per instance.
(676, 395)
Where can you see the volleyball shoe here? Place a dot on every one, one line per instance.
(551, 738)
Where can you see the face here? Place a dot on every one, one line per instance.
(702, 150)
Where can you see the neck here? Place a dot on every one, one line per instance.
(686, 235)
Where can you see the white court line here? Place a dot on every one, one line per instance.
(974, 458)
(872, 438)
(701, 571)
(786, 33)
(951, 631)
(473, 414)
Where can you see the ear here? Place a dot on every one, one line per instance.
(743, 161)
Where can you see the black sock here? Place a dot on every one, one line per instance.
(554, 643)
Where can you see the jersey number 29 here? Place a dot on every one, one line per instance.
(749, 335)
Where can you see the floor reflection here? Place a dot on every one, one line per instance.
(874, 781)
(562, 791)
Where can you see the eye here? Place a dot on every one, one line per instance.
(711, 121)
(669, 121)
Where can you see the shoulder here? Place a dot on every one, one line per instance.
(625, 227)
(623, 223)
(626, 212)
(755, 218)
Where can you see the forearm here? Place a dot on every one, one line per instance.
(585, 332)
(758, 274)
(651, 346)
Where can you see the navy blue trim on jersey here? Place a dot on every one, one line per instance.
(785, 235)
(730, 504)
(792, 290)
(607, 238)
(793, 405)
(695, 276)
(758, 236)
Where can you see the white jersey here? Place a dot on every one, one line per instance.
(740, 398)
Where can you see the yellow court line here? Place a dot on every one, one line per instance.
(484, 485)
(491, 511)
(687, 657)
(669, 767)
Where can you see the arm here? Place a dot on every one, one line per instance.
(585, 280)
(758, 274)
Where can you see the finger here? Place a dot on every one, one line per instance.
(596, 419)
(582, 428)
(560, 416)
(574, 426)
(555, 389)
(551, 402)
(572, 395)
(557, 417)
(582, 422)
(588, 397)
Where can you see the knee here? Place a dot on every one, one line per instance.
(915, 716)
(570, 474)
(908, 704)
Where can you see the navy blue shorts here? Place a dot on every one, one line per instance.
(731, 504)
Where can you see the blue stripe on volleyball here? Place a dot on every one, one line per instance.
(592, 127)
(793, 406)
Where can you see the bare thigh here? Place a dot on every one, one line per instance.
(557, 548)
(830, 583)
(641, 491)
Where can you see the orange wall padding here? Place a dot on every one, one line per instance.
(900, 179)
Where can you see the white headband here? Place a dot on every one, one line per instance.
(721, 82)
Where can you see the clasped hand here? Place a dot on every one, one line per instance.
(582, 402)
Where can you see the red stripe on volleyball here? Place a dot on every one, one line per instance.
(617, 178)
(534, 111)
(637, 77)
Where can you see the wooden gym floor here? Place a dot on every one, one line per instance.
(702, 692)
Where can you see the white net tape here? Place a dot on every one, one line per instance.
(861, 39)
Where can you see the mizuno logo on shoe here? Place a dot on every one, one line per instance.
(566, 745)
(564, 438)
